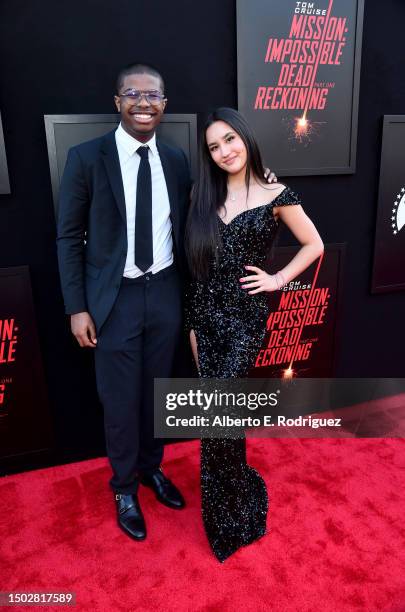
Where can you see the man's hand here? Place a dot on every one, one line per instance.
(83, 329)
(270, 176)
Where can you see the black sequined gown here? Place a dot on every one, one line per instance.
(229, 325)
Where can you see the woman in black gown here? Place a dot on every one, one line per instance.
(233, 221)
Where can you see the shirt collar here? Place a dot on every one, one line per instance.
(131, 144)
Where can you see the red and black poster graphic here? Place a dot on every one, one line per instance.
(24, 417)
(389, 251)
(302, 323)
(298, 81)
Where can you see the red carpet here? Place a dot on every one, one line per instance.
(335, 542)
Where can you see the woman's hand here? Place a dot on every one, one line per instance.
(260, 281)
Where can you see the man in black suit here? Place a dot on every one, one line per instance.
(123, 204)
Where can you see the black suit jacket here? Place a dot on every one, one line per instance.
(92, 232)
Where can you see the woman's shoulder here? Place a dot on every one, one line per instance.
(270, 191)
(285, 195)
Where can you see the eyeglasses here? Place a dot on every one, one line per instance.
(152, 97)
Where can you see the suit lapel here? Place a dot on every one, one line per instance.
(112, 164)
(172, 187)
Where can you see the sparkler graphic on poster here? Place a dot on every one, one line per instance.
(316, 38)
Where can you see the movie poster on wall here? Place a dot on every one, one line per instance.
(298, 81)
(24, 416)
(301, 328)
(389, 250)
(65, 131)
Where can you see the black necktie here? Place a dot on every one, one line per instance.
(143, 216)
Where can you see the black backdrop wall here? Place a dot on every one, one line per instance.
(62, 57)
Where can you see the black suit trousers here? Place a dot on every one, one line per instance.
(136, 344)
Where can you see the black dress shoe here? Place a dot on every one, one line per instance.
(130, 517)
(165, 490)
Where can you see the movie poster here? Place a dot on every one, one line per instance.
(24, 417)
(389, 251)
(65, 131)
(298, 81)
(301, 328)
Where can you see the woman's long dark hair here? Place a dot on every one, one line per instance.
(203, 241)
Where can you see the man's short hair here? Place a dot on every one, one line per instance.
(137, 68)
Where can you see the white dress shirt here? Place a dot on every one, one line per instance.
(161, 223)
